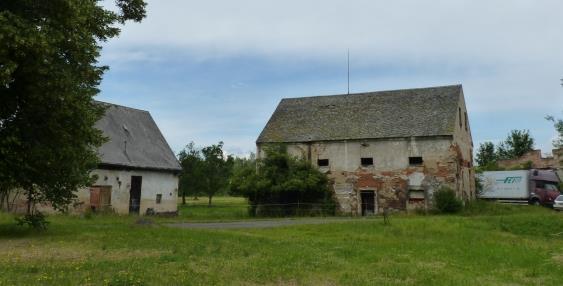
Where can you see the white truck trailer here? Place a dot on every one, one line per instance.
(520, 186)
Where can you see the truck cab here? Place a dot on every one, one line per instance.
(544, 187)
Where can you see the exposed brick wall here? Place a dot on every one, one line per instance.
(536, 158)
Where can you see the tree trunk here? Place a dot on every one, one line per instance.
(29, 201)
(209, 205)
(183, 198)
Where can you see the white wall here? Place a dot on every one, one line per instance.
(153, 183)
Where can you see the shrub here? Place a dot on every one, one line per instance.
(445, 201)
(35, 220)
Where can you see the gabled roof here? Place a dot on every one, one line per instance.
(383, 114)
(134, 140)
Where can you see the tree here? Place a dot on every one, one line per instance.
(282, 185)
(243, 169)
(558, 124)
(486, 154)
(217, 170)
(517, 143)
(191, 161)
(49, 75)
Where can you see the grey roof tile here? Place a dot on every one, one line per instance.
(134, 140)
(383, 114)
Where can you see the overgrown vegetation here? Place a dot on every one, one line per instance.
(284, 186)
(49, 75)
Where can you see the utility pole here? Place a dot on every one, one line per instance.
(348, 55)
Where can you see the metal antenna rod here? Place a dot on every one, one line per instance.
(348, 54)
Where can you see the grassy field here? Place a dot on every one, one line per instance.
(487, 245)
(223, 208)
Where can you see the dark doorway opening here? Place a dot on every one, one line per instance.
(368, 202)
(135, 194)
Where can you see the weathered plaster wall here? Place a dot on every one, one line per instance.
(391, 176)
(153, 183)
(462, 139)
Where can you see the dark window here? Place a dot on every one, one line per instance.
(158, 198)
(322, 162)
(460, 120)
(546, 185)
(415, 160)
(367, 161)
(466, 128)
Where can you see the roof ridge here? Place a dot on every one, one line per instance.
(377, 91)
(121, 106)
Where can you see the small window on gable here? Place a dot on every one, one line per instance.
(466, 128)
(460, 120)
(415, 161)
(158, 198)
(367, 161)
(322, 162)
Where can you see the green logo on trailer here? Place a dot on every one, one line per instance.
(511, 180)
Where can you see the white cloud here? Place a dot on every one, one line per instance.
(461, 31)
(508, 54)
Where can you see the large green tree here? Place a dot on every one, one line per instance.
(217, 170)
(486, 154)
(49, 74)
(283, 185)
(191, 178)
(516, 144)
(558, 124)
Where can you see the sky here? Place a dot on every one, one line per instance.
(211, 71)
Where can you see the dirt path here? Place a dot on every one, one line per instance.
(260, 223)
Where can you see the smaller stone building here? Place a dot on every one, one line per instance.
(381, 150)
(138, 172)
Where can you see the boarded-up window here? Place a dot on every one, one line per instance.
(416, 195)
(414, 161)
(322, 162)
(367, 161)
(158, 198)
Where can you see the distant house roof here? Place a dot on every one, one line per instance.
(134, 140)
(382, 114)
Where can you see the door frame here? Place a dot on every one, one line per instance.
(375, 200)
(135, 180)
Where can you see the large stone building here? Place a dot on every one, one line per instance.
(386, 149)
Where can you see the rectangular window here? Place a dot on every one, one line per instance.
(414, 161)
(416, 195)
(158, 198)
(466, 128)
(367, 161)
(322, 162)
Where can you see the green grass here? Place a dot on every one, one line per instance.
(222, 208)
(485, 245)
